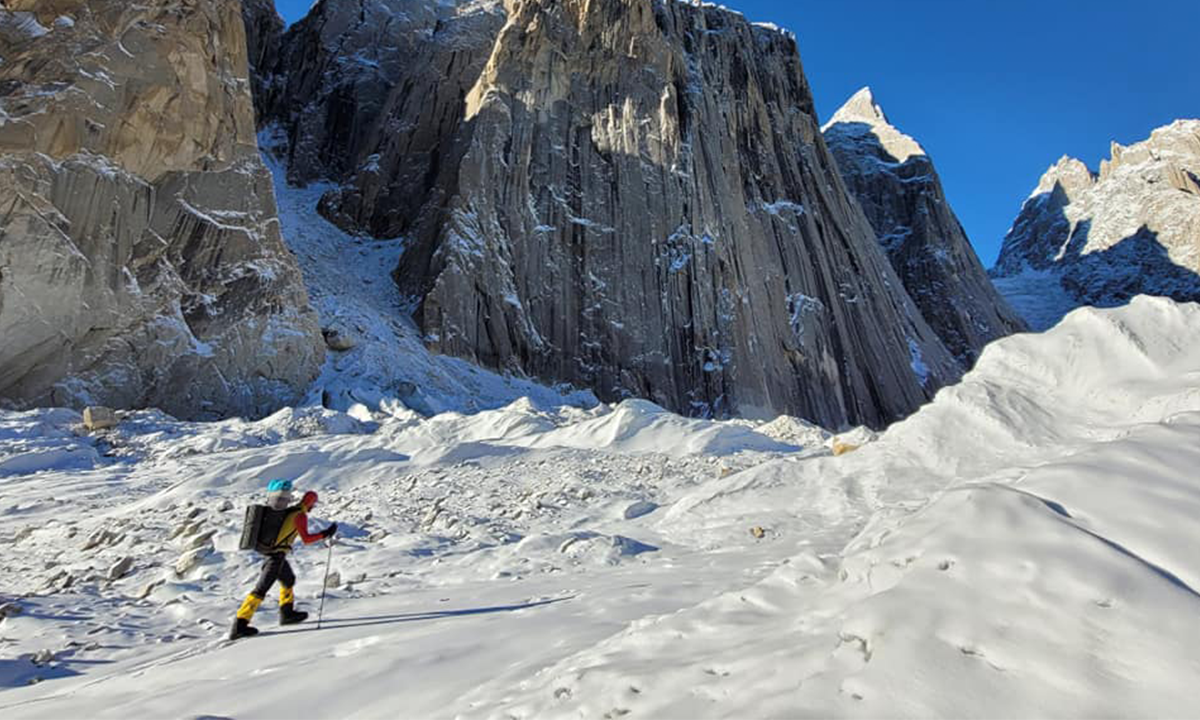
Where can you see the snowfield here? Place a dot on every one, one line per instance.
(1025, 545)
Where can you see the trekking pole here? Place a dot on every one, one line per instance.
(328, 558)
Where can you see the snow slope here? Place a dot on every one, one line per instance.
(1038, 297)
(1025, 545)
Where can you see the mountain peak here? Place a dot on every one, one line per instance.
(1071, 174)
(861, 114)
(900, 194)
(861, 107)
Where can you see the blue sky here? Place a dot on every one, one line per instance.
(995, 91)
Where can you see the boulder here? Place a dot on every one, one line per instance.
(191, 560)
(120, 568)
(639, 509)
(99, 418)
(200, 540)
(628, 547)
(338, 340)
(149, 588)
(840, 448)
(42, 657)
(103, 537)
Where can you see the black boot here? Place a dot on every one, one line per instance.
(289, 615)
(241, 628)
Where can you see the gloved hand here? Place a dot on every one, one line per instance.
(329, 531)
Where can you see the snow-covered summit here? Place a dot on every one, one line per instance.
(861, 107)
(1131, 228)
(862, 110)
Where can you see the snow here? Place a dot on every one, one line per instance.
(916, 362)
(781, 206)
(1038, 297)
(1025, 545)
(459, 509)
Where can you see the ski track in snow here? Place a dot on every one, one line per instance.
(1024, 545)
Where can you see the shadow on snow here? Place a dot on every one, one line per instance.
(367, 621)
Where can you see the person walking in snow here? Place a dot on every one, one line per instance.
(276, 567)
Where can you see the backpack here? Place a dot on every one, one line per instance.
(261, 529)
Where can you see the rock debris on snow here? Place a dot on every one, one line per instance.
(120, 568)
(99, 418)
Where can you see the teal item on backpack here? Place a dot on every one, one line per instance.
(280, 486)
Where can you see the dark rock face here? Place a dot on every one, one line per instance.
(139, 244)
(627, 195)
(632, 196)
(1133, 228)
(411, 154)
(264, 33)
(370, 94)
(1042, 228)
(902, 196)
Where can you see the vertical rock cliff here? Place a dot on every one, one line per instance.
(895, 182)
(369, 94)
(644, 205)
(1133, 228)
(140, 256)
(628, 195)
(264, 35)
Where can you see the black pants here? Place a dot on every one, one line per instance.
(275, 568)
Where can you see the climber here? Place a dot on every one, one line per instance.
(294, 524)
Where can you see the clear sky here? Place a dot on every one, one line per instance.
(995, 91)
